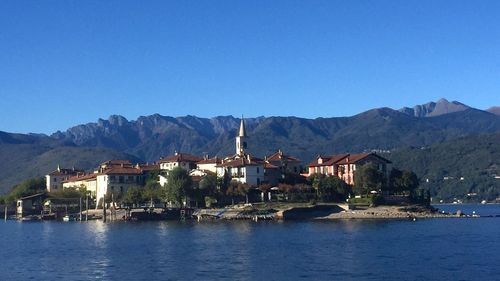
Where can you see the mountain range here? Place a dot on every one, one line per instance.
(150, 137)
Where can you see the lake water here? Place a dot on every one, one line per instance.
(432, 249)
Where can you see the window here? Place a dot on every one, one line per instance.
(121, 189)
(257, 170)
(55, 179)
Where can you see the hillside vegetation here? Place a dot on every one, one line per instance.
(464, 168)
(23, 161)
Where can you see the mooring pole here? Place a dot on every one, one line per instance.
(80, 208)
(104, 211)
(87, 208)
(5, 216)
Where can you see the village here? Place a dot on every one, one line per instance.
(202, 186)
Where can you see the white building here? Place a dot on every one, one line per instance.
(54, 180)
(242, 167)
(117, 180)
(87, 181)
(209, 164)
(183, 160)
(243, 170)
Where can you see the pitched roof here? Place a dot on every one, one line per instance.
(279, 155)
(64, 172)
(214, 160)
(353, 158)
(328, 160)
(180, 157)
(82, 177)
(32, 196)
(116, 162)
(148, 167)
(270, 166)
(241, 162)
(122, 171)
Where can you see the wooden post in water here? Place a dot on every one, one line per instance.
(80, 208)
(87, 208)
(112, 207)
(6, 209)
(104, 210)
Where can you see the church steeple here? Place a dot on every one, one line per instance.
(241, 143)
(243, 132)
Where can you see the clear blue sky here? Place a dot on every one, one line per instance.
(63, 63)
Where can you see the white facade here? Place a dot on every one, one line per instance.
(211, 167)
(251, 174)
(88, 182)
(54, 180)
(116, 183)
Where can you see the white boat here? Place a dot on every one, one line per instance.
(69, 218)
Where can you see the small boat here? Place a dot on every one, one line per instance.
(69, 218)
(483, 202)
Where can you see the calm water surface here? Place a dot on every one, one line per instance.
(433, 249)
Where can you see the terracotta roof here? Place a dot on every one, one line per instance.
(353, 158)
(148, 167)
(241, 162)
(82, 177)
(116, 162)
(270, 166)
(122, 171)
(64, 172)
(328, 160)
(214, 160)
(278, 155)
(180, 157)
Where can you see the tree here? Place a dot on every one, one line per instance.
(208, 184)
(232, 190)
(409, 181)
(178, 185)
(69, 192)
(367, 178)
(317, 182)
(134, 195)
(26, 188)
(395, 184)
(402, 181)
(152, 191)
(264, 189)
(243, 189)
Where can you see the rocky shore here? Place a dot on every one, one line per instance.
(390, 212)
(323, 212)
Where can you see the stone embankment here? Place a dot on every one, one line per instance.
(321, 212)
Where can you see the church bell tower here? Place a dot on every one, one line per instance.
(241, 139)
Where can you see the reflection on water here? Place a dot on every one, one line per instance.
(96, 237)
(447, 249)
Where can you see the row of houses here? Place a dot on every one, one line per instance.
(117, 176)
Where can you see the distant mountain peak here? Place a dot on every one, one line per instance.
(494, 109)
(430, 109)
